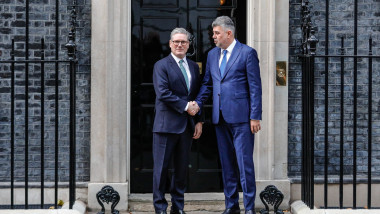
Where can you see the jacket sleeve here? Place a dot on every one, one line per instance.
(200, 117)
(163, 91)
(254, 82)
(206, 87)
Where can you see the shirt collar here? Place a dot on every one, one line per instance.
(178, 59)
(230, 48)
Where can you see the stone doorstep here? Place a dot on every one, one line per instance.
(298, 207)
(194, 203)
(187, 212)
(213, 206)
(201, 202)
(201, 209)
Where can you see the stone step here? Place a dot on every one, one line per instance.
(150, 212)
(187, 212)
(211, 202)
(195, 203)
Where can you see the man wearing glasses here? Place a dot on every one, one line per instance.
(176, 82)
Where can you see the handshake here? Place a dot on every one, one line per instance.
(193, 108)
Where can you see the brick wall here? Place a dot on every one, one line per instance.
(341, 23)
(42, 25)
(12, 25)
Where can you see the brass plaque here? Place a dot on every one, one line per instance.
(281, 73)
(200, 67)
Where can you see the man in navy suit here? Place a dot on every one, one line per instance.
(233, 76)
(176, 82)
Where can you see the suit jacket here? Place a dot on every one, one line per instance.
(238, 92)
(172, 96)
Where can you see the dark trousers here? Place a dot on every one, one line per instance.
(235, 144)
(167, 147)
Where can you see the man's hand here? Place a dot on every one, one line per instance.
(198, 130)
(255, 126)
(193, 108)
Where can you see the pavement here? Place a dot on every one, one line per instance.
(192, 212)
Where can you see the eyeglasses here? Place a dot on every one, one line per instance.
(180, 42)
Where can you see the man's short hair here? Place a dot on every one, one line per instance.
(225, 22)
(180, 30)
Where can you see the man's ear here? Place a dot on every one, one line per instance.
(229, 33)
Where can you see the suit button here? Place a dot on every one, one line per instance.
(219, 95)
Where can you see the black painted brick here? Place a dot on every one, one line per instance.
(340, 24)
(42, 25)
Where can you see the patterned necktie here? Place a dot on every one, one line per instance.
(184, 73)
(224, 62)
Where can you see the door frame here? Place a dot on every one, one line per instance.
(111, 92)
(249, 36)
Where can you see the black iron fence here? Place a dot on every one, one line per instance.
(25, 62)
(345, 62)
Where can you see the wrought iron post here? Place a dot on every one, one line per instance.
(71, 49)
(271, 195)
(12, 122)
(108, 194)
(308, 48)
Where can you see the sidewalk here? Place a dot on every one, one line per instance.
(192, 212)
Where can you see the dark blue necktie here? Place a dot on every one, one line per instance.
(224, 62)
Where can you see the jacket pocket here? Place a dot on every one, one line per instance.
(241, 94)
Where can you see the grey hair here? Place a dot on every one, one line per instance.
(225, 22)
(180, 30)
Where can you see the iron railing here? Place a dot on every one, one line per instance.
(71, 62)
(308, 57)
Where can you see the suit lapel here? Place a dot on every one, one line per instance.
(217, 63)
(174, 66)
(234, 55)
(193, 75)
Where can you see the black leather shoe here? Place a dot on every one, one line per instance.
(161, 212)
(177, 212)
(231, 211)
(249, 212)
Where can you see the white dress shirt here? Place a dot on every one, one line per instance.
(185, 65)
(229, 51)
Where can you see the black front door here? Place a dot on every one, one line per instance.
(152, 22)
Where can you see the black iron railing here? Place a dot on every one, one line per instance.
(42, 62)
(308, 47)
(308, 57)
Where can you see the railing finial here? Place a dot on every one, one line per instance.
(71, 46)
(309, 40)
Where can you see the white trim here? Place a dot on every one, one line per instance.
(129, 92)
(250, 22)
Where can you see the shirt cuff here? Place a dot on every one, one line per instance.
(187, 106)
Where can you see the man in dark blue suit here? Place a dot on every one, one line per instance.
(233, 76)
(176, 82)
